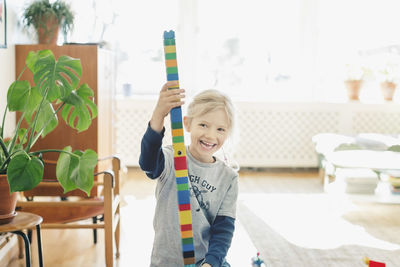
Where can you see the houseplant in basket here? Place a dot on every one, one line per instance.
(47, 18)
(56, 89)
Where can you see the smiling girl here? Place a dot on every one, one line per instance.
(213, 184)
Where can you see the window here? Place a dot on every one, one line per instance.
(266, 50)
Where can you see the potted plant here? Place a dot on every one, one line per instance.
(388, 77)
(47, 18)
(353, 81)
(55, 89)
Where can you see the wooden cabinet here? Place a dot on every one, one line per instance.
(98, 72)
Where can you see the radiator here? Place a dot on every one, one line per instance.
(268, 134)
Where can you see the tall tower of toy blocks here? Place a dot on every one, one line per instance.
(181, 173)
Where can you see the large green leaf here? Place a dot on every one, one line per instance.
(22, 136)
(59, 78)
(76, 171)
(24, 172)
(47, 119)
(79, 109)
(33, 103)
(17, 95)
(65, 166)
(33, 56)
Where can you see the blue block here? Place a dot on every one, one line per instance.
(169, 35)
(181, 180)
(183, 197)
(188, 247)
(176, 114)
(172, 77)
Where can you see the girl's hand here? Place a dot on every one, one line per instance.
(167, 100)
(206, 265)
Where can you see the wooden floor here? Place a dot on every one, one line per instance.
(71, 248)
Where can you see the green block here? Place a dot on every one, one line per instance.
(177, 139)
(172, 70)
(187, 241)
(169, 41)
(170, 56)
(182, 187)
(176, 125)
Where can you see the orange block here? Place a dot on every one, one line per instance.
(177, 132)
(171, 63)
(186, 234)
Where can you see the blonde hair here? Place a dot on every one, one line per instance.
(208, 101)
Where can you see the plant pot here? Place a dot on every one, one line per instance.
(353, 89)
(48, 34)
(388, 89)
(7, 201)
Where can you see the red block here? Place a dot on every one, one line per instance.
(186, 227)
(180, 163)
(184, 207)
(376, 264)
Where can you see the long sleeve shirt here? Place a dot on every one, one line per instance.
(213, 188)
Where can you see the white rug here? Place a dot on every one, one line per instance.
(137, 236)
(319, 230)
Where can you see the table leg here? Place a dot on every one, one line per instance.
(27, 247)
(39, 244)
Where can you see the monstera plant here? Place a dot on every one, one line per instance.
(55, 90)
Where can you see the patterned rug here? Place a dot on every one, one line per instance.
(320, 230)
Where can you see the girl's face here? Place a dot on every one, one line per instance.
(207, 134)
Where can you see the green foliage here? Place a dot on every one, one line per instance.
(39, 11)
(342, 147)
(394, 148)
(56, 89)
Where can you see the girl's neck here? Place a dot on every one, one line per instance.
(201, 159)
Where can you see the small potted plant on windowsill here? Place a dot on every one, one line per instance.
(56, 89)
(47, 18)
(389, 76)
(354, 81)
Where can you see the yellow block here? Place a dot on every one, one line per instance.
(179, 147)
(170, 49)
(185, 217)
(187, 234)
(181, 173)
(175, 86)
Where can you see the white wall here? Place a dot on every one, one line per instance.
(7, 67)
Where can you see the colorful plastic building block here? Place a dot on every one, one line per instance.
(256, 261)
(181, 173)
(371, 263)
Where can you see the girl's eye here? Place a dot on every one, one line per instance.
(202, 125)
(221, 129)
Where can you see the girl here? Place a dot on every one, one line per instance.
(213, 184)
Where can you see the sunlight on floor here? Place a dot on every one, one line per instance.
(137, 231)
(137, 235)
(312, 220)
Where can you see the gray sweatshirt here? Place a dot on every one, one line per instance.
(213, 192)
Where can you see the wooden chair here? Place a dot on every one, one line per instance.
(63, 211)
